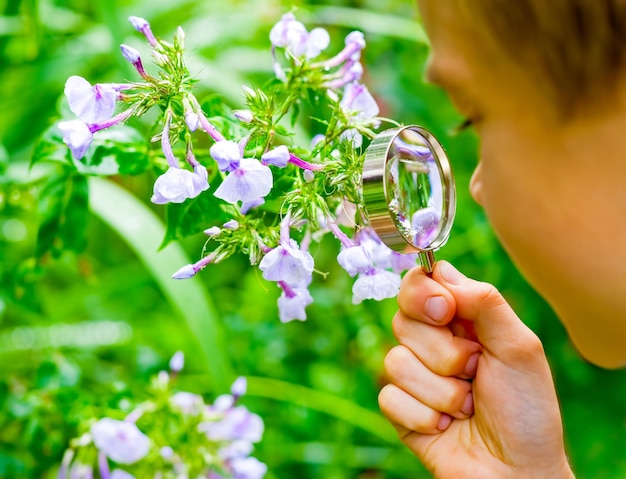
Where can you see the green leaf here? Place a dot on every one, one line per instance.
(194, 216)
(121, 149)
(76, 215)
(132, 161)
(50, 211)
(63, 209)
(51, 148)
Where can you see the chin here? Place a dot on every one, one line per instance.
(599, 355)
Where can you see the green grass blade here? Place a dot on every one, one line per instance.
(330, 404)
(142, 230)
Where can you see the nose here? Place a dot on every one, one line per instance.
(476, 185)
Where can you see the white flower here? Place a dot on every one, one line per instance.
(90, 104)
(292, 305)
(288, 263)
(292, 35)
(354, 260)
(252, 180)
(177, 184)
(77, 136)
(379, 284)
(121, 441)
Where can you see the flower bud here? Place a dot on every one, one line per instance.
(244, 116)
(177, 362)
(130, 54)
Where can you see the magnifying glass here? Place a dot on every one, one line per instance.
(409, 192)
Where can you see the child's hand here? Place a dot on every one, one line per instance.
(505, 423)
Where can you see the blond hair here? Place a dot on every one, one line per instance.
(578, 46)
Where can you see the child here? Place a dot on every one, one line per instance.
(544, 85)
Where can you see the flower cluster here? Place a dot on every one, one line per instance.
(173, 435)
(274, 197)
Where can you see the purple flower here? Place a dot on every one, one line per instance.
(237, 424)
(345, 213)
(402, 262)
(119, 474)
(292, 35)
(228, 155)
(308, 176)
(166, 452)
(247, 468)
(231, 225)
(90, 104)
(121, 441)
(350, 72)
(81, 471)
(213, 231)
(188, 403)
(192, 120)
(77, 136)
(138, 23)
(360, 108)
(292, 303)
(186, 272)
(380, 255)
(288, 263)
(358, 102)
(190, 270)
(424, 227)
(355, 42)
(131, 55)
(142, 26)
(250, 181)
(354, 260)
(244, 116)
(177, 363)
(222, 403)
(176, 185)
(235, 449)
(248, 205)
(279, 156)
(316, 42)
(239, 387)
(377, 284)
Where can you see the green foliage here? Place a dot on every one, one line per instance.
(84, 331)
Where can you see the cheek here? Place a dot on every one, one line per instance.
(514, 200)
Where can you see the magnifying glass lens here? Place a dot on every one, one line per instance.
(414, 192)
(408, 190)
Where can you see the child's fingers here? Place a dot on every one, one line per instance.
(444, 394)
(438, 348)
(424, 299)
(497, 327)
(408, 414)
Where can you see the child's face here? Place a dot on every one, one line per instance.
(552, 191)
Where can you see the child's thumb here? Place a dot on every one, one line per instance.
(497, 326)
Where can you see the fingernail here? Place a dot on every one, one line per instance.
(468, 405)
(472, 365)
(444, 422)
(450, 274)
(436, 308)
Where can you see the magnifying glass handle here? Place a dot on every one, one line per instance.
(427, 259)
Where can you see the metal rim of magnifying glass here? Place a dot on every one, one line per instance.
(375, 191)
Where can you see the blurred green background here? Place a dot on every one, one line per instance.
(87, 331)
